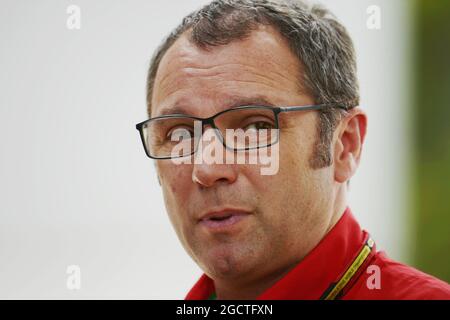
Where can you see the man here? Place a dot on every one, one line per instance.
(253, 66)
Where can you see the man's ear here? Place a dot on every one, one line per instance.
(351, 133)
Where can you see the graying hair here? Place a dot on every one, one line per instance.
(322, 45)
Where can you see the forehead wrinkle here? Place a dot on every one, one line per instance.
(255, 70)
(227, 73)
(239, 73)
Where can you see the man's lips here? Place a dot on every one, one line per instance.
(223, 219)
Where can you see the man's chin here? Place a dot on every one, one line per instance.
(226, 263)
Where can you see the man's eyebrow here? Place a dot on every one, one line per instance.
(175, 109)
(249, 101)
(228, 104)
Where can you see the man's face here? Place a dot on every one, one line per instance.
(273, 220)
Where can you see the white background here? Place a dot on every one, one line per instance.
(75, 184)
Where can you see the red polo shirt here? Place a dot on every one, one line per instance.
(345, 265)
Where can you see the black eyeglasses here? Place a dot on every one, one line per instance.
(239, 129)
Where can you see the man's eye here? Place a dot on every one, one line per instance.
(259, 125)
(179, 133)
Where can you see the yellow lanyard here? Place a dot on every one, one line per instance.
(334, 291)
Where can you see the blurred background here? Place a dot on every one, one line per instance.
(77, 189)
(431, 161)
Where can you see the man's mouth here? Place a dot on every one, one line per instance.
(223, 220)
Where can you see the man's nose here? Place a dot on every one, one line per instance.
(207, 174)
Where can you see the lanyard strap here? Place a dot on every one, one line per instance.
(335, 290)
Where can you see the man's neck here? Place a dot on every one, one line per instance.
(251, 290)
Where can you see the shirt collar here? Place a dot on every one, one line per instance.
(313, 275)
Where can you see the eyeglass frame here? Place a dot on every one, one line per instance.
(210, 120)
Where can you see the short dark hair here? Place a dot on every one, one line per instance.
(322, 45)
